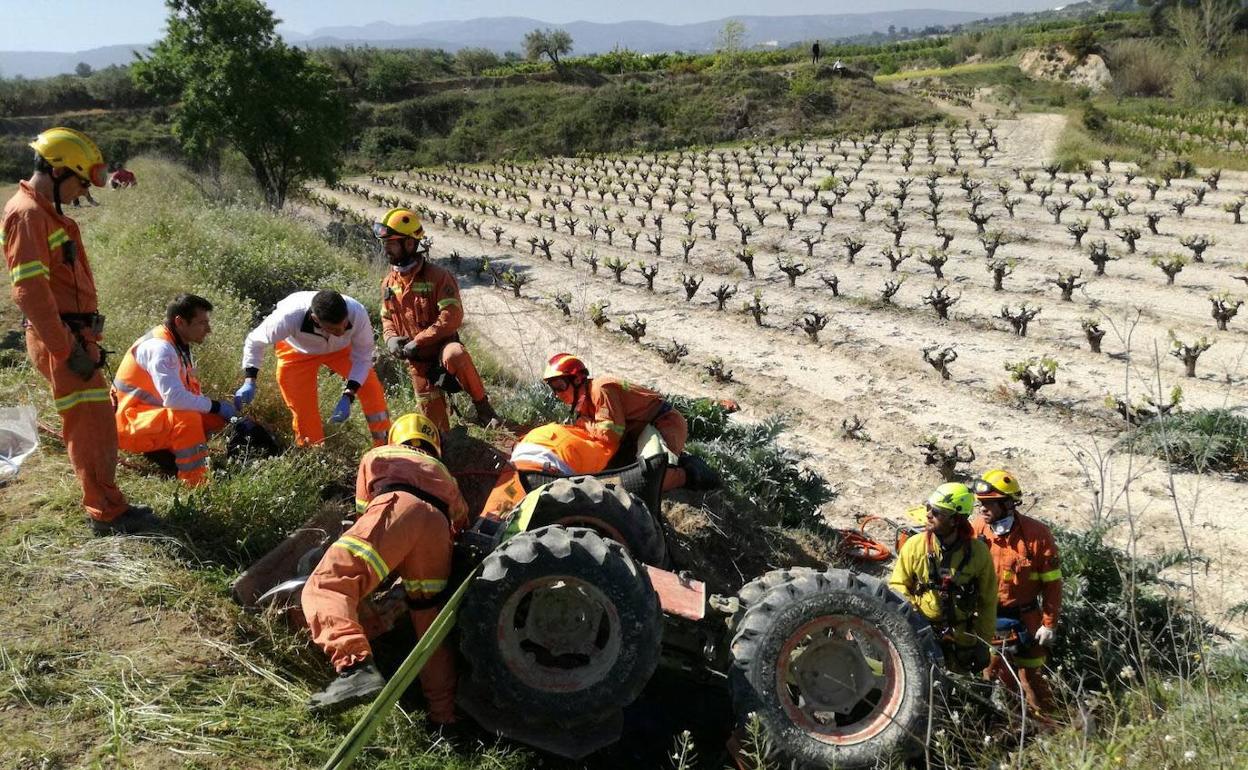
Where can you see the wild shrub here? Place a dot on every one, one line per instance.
(761, 478)
(1198, 440)
(1141, 68)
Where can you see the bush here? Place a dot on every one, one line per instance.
(1093, 118)
(763, 480)
(1199, 440)
(1141, 68)
(1119, 615)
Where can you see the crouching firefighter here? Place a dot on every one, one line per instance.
(613, 410)
(161, 410)
(420, 318)
(409, 511)
(947, 574)
(1029, 590)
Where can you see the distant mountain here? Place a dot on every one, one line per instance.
(503, 34)
(42, 64)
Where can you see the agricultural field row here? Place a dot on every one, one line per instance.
(922, 284)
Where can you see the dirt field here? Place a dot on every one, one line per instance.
(867, 361)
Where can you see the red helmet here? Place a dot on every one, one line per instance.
(565, 365)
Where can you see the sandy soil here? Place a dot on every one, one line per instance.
(867, 361)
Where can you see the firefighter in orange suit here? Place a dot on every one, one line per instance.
(612, 409)
(420, 319)
(161, 409)
(409, 511)
(553, 449)
(54, 288)
(310, 330)
(1029, 587)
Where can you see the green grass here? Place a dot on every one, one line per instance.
(975, 68)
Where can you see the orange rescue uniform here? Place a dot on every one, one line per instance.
(1029, 588)
(559, 450)
(424, 306)
(613, 409)
(410, 509)
(147, 423)
(54, 287)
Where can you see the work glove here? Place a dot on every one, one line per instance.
(79, 361)
(246, 394)
(1046, 636)
(226, 410)
(395, 345)
(343, 410)
(411, 351)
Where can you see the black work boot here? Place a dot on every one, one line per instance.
(355, 685)
(698, 475)
(135, 520)
(486, 416)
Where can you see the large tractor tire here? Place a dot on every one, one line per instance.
(584, 501)
(561, 627)
(837, 667)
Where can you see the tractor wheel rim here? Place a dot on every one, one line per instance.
(560, 634)
(840, 680)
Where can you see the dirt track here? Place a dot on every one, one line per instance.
(867, 361)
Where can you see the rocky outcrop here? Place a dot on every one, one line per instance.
(1056, 64)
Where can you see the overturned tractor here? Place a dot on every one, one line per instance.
(573, 606)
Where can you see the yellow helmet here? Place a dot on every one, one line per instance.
(416, 427)
(998, 484)
(399, 223)
(74, 150)
(952, 497)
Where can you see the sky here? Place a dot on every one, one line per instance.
(86, 24)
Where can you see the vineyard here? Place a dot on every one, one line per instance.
(1178, 131)
(897, 294)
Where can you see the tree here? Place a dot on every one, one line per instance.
(474, 61)
(83, 70)
(551, 43)
(238, 84)
(731, 38)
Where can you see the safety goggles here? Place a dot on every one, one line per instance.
(559, 384)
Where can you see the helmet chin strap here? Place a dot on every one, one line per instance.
(56, 192)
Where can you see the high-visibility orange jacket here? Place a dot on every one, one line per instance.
(143, 380)
(561, 449)
(1027, 564)
(386, 466)
(48, 267)
(611, 408)
(422, 305)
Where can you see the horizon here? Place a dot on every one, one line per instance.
(141, 22)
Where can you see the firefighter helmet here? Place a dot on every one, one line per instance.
(952, 498)
(74, 150)
(414, 426)
(399, 223)
(998, 484)
(565, 365)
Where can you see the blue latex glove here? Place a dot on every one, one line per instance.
(342, 411)
(245, 395)
(226, 410)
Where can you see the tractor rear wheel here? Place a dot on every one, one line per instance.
(584, 501)
(561, 627)
(837, 667)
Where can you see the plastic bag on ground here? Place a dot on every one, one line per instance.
(19, 438)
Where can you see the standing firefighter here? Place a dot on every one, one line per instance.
(54, 288)
(947, 574)
(310, 330)
(1029, 588)
(612, 410)
(409, 511)
(420, 319)
(161, 409)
